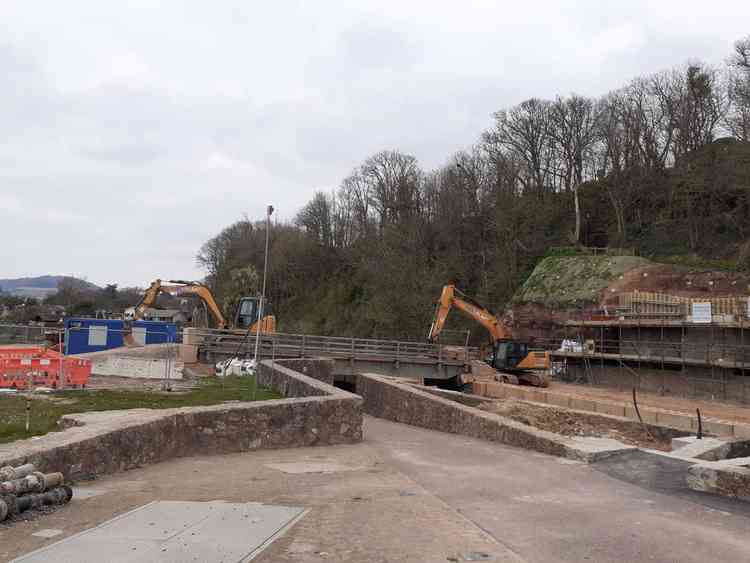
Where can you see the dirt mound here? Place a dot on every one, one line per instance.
(677, 280)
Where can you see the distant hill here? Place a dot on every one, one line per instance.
(39, 286)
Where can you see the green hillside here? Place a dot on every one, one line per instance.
(560, 281)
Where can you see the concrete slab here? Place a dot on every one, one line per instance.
(705, 448)
(82, 493)
(310, 467)
(47, 533)
(733, 462)
(591, 449)
(175, 531)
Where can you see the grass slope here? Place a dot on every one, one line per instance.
(564, 281)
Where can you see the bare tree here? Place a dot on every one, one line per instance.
(524, 131)
(573, 129)
(738, 116)
(393, 181)
(620, 154)
(694, 103)
(355, 192)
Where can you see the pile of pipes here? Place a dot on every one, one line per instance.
(23, 488)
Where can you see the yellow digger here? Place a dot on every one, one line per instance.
(245, 317)
(514, 361)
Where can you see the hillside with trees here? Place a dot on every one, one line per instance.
(660, 166)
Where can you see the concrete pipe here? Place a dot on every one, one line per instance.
(12, 487)
(34, 483)
(50, 480)
(29, 484)
(58, 495)
(10, 504)
(9, 473)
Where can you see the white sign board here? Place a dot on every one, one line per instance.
(139, 335)
(701, 313)
(98, 335)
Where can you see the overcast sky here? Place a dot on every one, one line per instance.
(134, 131)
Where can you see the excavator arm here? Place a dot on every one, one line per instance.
(449, 298)
(180, 287)
(512, 359)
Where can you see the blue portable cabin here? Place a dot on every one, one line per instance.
(84, 335)
(155, 332)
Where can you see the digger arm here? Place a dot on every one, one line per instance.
(448, 299)
(148, 299)
(156, 287)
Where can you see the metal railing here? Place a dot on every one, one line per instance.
(305, 345)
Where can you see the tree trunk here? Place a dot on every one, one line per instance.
(577, 204)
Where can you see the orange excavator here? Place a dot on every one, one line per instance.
(245, 318)
(514, 361)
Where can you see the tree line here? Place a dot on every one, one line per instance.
(661, 164)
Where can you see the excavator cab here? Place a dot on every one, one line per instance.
(247, 312)
(506, 355)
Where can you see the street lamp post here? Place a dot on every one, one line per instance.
(269, 210)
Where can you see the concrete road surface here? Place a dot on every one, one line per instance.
(550, 509)
(412, 495)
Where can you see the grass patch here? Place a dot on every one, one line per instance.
(46, 410)
(566, 281)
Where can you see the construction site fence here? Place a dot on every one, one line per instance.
(39, 343)
(652, 304)
(11, 333)
(305, 345)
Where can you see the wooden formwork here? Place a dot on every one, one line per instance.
(653, 304)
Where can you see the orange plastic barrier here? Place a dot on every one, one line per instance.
(24, 367)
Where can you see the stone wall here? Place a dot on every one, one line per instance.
(400, 402)
(320, 369)
(98, 443)
(729, 478)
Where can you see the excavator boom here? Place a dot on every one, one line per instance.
(246, 318)
(449, 299)
(180, 288)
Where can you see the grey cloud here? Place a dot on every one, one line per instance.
(372, 44)
(139, 134)
(123, 154)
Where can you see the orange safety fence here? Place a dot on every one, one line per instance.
(34, 366)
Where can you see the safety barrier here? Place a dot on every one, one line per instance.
(32, 366)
